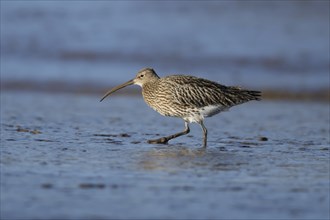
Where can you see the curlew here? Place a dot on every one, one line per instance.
(186, 97)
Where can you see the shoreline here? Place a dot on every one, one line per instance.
(319, 95)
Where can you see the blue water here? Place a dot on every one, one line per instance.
(278, 44)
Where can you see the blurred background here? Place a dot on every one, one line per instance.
(64, 155)
(281, 47)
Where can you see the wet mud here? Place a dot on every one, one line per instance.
(71, 157)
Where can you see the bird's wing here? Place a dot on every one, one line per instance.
(197, 92)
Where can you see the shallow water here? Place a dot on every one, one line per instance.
(69, 156)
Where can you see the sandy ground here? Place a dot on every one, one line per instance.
(71, 157)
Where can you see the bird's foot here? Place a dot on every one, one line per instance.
(162, 140)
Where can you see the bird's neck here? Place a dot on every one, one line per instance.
(151, 83)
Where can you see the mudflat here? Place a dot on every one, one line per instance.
(69, 156)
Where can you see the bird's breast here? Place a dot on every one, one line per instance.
(164, 103)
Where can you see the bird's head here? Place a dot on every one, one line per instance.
(143, 76)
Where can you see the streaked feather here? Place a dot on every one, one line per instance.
(186, 96)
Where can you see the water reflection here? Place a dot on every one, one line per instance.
(174, 158)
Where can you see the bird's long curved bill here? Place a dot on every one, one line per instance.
(117, 88)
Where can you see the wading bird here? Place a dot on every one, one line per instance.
(186, 97)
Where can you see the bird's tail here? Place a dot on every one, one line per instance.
(252, 95)
(242, 95)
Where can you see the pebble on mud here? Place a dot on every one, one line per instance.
(245, 146)
(46, 185)
(222, 149)
(20, 129)
(35, 132)
(263, 139)
(91, 185)
(43, 140)
(124, 135)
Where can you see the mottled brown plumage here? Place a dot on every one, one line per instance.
(186, 97)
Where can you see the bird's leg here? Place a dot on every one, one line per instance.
(204, 133)
(164, 140)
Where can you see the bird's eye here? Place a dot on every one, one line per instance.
(142, 76)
